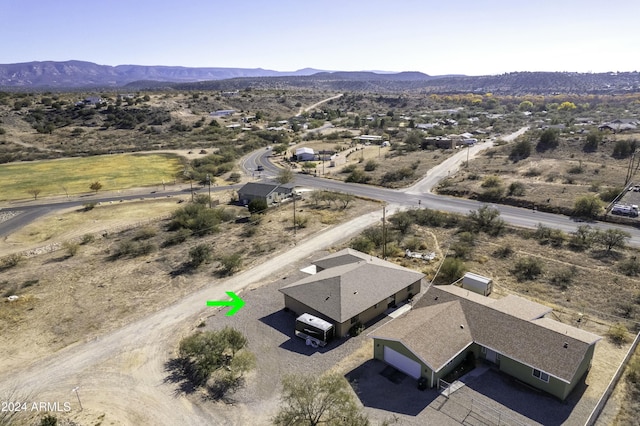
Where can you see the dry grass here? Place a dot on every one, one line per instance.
(74, 175)
(70, 299)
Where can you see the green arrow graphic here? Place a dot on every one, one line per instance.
(236, 303)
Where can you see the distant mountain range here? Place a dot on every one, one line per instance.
(50, 75)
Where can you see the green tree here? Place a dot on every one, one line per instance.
(516, 189)
(520, 151)
(413, 140)
(549, 139)
(284, 175)
(95, 186)
(624, 148)
(612, 238)
(583, 237)
(587, 206)
(204, 353)
(593, 140)
(312, 401)
(257, 205)
(525, 106)
(567, 106)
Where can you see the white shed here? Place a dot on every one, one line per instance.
(477, 283)
(305, 154)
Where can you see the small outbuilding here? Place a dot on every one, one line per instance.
(305, 154)
(477, 283)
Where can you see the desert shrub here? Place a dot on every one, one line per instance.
(402, 221)
(235, 177)
(547, 235)
(398, 175)
(131, 249)
(610, 194)
(363, 244)
(575, 170)
(618, 334)
(491, 182)
(563, 277)
(199, 254)
(582, 238)
(87, 239)
(520, 151)
(413, 244)
(495, 193)
(630, 266)
(486, 219)
(71, 248)
(145, 233)
(258, 206)
(178, 237)
(452, 270)
(370, 166)
(516, 189)
(11, 261)
(302, 221)
(528, 268)
(461, 250)
(587, 206)
(532, 172)
(88, 206)
(230, 263)
(358, 176)
(503, 252)
(356, 329)
(349, 168)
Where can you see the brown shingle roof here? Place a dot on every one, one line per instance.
(555, 348)
(344, 291)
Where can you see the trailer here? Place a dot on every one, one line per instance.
(477, 283)
(316, 331)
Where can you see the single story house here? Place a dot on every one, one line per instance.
(305, 154)
(270, 192)
(350, 288)
(512, 333)
(619, 125)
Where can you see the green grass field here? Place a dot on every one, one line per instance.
(74, 175)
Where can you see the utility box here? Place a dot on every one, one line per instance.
(477, 283)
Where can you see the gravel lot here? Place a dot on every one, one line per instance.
(269, 330)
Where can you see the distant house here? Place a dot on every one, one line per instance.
(620, 125)
(513, 334)
(92, 100)
(368, 138)
(305, 154)
(270, 192)
(351, 287)
(223, 112)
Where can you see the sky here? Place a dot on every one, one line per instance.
(472, 37)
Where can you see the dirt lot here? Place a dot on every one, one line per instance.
(65, 299)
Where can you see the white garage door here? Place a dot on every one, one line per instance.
(402, 363)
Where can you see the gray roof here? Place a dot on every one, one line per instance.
(541, 343)
(356, 282)
(264, 188)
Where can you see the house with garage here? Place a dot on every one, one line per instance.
(512, 333)
(305, 154)
(269, 192)
(350, 288)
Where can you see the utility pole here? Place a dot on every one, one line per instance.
(294, 214)
(209, 182)
(468, 148)
(384, 232)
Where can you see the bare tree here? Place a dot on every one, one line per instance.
(35, 192)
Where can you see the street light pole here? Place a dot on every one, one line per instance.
(294, 214)
(468, 148)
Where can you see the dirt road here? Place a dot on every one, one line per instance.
(309, 108)
(452, 164)
(121, 374)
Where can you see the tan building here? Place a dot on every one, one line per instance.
(350, 288)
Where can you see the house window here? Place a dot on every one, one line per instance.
(541, 375)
